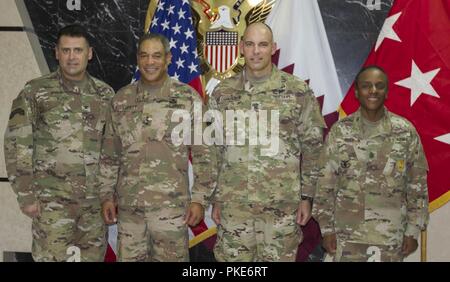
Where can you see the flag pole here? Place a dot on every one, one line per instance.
(423, 245)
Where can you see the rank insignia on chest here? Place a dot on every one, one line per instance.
(400, 165)
(345, 164)
(256, 106)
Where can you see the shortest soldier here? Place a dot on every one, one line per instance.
(145, 170)
(372, 198)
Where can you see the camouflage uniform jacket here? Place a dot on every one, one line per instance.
(254, 173)
(372, 190)
(53, 138)
(140, 162)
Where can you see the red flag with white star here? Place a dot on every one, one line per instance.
(414, 49)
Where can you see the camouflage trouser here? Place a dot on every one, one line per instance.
(251, 232)
(152, 234)
(69, 232)
(362, 252)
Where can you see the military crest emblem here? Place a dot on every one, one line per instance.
(221, 50)
(219, 27)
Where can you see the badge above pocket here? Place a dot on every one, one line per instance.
(155, 121)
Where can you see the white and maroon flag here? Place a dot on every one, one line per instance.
(414, 49)
(304, 51)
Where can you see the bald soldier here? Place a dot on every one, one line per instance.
(263, 192)
(52, 147)
(144, 170)
(372, 198)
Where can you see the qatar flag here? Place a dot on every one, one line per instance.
(304, 51)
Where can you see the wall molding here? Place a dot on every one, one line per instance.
(12, 28)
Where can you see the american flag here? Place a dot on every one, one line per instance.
(173, 19)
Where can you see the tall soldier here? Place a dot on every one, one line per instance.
(263, 189)
(144, 170)
(372, 197)
(52, 146)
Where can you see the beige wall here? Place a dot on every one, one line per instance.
(438, 233)
(19, 64)
(10, 15)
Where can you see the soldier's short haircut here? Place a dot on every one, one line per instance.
(73, 30)
(264, 24)
(161, 38)
(371, 67)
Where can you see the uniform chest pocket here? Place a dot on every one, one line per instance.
(349, 171)
(394, 174)
(348, 165)
(156, 122)
(129, 125)
(288, 123)
(94, 119)
(396, 163)
(59, 122)
(51, 113)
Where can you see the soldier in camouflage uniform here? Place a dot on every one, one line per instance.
(145, 170)
(52, 146)
(372, 198)
(261, 196)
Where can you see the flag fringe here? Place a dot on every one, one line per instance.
(439, 202)
(202, 236)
